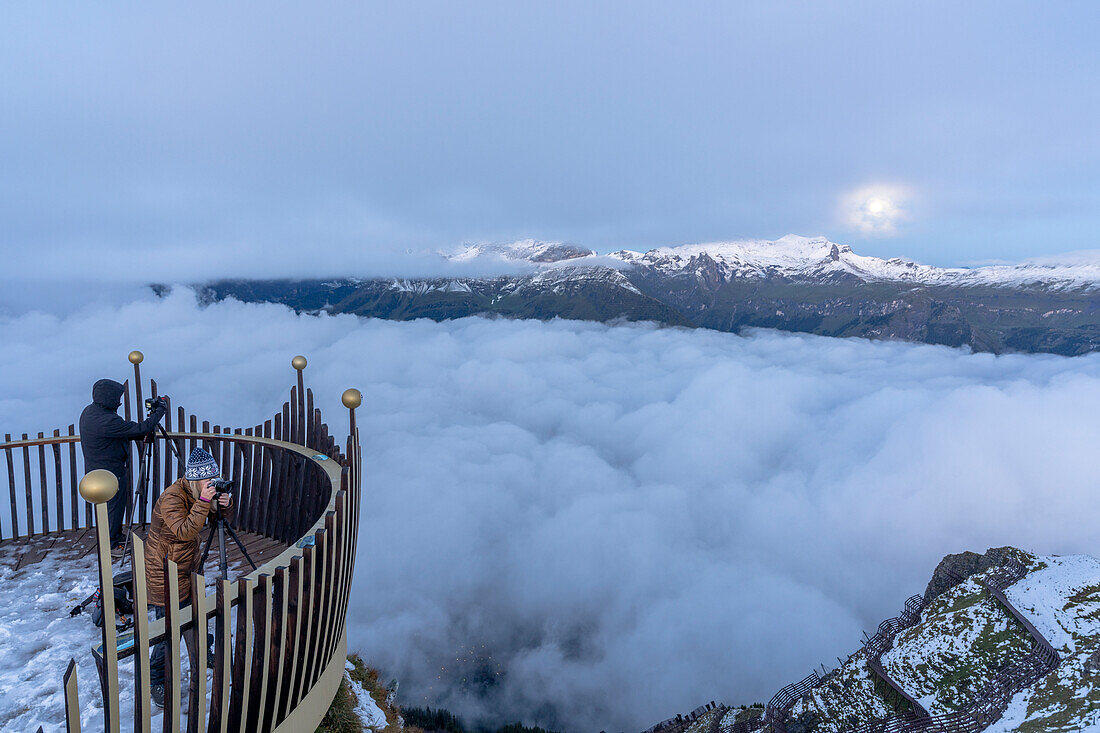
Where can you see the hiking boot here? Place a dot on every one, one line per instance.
(157, 693)
(117, 551)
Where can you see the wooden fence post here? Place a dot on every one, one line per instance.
(97, 487)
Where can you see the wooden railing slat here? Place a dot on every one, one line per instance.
(293, 431)
(169, 457)
(139, 404)
(74, 496)
(172, 699)
(42, 485)
(331, 557)
(294, 630)
(196, 701)
(261, 654)
(243, 476)
(72, 699)
(323, 566)
(242, 656)
(262, 508)
(27, 487)
(309, 594)
(346, 527)
(142, 710)
(278, 481)
(11, 488)
(278, 648)
(311, 434)
(236, 451)
(59, 479)
(220, 689)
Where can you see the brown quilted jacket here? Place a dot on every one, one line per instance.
(174, 534)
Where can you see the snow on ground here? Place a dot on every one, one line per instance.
(366, 708)
(37, 639)
(847, 696)
(1062, 600)
(964, 630)
(1046, 598)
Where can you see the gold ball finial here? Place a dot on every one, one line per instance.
(136, 357)
(352, 398)
(98, 486)
(299, 362)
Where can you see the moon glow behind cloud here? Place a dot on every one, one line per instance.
(876, 210)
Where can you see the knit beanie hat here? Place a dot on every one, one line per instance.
(200, 465)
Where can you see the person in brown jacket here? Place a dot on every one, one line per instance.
(178, 518)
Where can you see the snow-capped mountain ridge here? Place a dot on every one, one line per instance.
(800, 284)
(812, 258)
(797, 258)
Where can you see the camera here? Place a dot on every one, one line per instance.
(151, 402)
(222, 485)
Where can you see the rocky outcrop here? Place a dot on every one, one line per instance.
(953, 569)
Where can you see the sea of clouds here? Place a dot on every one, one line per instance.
(596, 527)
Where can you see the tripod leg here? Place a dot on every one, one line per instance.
(222, 563)
(175, 448)
(206, 550)
(240, 544)
(141, 490)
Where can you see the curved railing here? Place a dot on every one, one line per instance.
(280, 631)
(779, 707)
(990, 702)
(882, 641)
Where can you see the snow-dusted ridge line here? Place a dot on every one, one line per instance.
(799, 258)
(811, 258)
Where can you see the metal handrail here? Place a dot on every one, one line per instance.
(331, 468)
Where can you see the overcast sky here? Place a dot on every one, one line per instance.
(257, 139)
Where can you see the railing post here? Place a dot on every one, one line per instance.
(72, 699)
(97, 487)
(351, 398)
(299, 363)
(142, 710)
(136, 357)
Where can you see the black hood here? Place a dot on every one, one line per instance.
(107, 393)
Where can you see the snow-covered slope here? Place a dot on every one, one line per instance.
(530, 250)
(1062, 600)
(815, 258)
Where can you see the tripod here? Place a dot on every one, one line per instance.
(221, 525)
(141, 491)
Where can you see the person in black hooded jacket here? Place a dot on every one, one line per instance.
(105, 439)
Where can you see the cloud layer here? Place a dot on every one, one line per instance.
(597, 527)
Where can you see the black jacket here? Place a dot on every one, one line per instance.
(105, 436)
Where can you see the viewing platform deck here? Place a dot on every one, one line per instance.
(72, 544)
